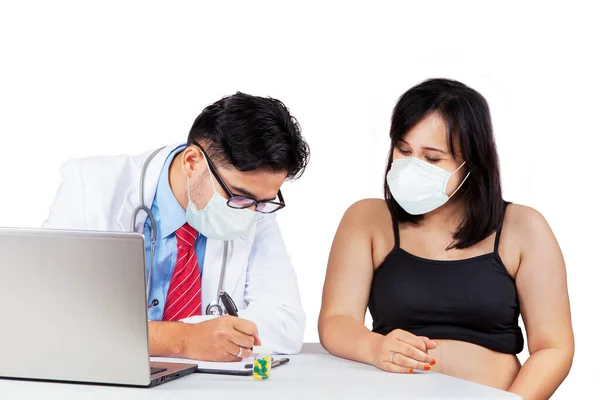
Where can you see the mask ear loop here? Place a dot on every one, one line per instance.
(459, 186)
(212, 178)
(188, 187)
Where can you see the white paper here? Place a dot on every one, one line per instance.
(196, 319)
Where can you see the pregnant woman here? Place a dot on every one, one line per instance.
(444, 264)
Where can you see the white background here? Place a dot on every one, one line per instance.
(78, 79)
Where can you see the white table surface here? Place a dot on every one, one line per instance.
(313, 374)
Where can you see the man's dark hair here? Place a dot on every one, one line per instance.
(251, 133)
(469, 126)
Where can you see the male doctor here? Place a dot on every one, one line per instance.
(218, 191)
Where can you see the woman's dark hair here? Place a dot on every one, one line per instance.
(250, 133)
(469, 126)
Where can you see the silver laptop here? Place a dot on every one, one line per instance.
(74, 309)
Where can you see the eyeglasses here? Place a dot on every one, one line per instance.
(239, 201)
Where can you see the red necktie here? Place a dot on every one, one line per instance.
(184, 295)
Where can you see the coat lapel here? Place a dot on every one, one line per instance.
(132, 195)
(239, 249)
(235, 271)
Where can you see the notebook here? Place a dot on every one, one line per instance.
(210, 365)
(240, 368)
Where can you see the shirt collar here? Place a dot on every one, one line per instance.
(172, 215)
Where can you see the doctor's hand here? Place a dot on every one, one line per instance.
(401, 351)
(220, 339)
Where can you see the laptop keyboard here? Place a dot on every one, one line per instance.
(156, 370)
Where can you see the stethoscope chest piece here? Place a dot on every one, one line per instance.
(214, 309)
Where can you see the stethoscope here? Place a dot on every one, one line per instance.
(215, 307)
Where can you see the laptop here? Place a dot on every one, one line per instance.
(74, 309)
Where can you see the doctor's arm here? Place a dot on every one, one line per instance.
(542, 289)
(217, 339)
(272, 293)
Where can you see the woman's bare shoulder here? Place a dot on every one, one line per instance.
(525, 231)
(368, 211)
(523, 220)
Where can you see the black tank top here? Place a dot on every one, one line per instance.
(472, 300)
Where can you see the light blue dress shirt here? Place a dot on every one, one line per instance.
(169, 216)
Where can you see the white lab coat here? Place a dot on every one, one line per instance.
(100, 193)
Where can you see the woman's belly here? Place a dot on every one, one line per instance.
(475, 363)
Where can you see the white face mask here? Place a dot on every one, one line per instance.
(418, 186)
(217, 220)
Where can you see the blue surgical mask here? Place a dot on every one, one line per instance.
(217, 220)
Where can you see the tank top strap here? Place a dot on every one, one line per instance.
(499, 231)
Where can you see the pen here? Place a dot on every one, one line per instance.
(274, 363)
(281, 361)
(228, 303)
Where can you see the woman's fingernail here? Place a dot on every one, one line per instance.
(436, 343)
(410, 371)
(427, 368)
(432, 362)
